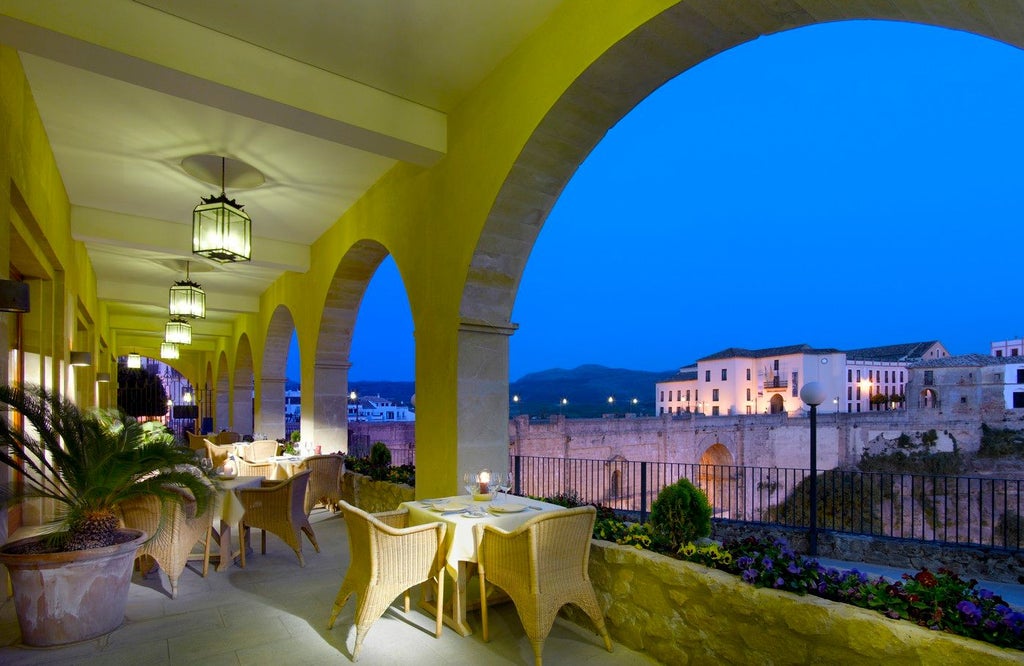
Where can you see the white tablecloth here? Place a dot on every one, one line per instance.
(284, 466)
(459, 541)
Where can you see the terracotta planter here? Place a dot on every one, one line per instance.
(63, 598)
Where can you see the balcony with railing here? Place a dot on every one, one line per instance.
(941, 509)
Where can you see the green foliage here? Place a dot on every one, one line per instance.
(295, 437)
(681, 513)
(916, 462)
(930, 438)
(1000, 442)
(638, 535)
(843, 503)
(140, 392)
(404, 474)
(89, 462)
(380, 461)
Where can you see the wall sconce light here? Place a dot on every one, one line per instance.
(134, 361)
(13, 296)
(102, 377)
(81, 358)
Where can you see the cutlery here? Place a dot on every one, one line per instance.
(449, 513)
(535, 508)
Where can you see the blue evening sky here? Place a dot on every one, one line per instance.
(843, 185)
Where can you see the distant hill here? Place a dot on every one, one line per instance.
(400, 392)
(587, 389)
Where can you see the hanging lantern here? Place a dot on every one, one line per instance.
(169, 350)
(134, 361)
(178, 331)
(187, 299)
(221, 230)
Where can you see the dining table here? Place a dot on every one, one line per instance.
(228, 507)
(284, 467)
(461, 514)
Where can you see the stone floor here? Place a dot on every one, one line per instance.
(274, 612)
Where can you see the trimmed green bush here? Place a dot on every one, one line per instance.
(681, 514)
(380, 461)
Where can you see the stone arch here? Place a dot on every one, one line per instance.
(326, 419)
(205, 398)
(717, 479)
(222, 395)
(777, 405)
(929, 399)
(270, 400)
(618, 481)
(243, 381)
(605, 90)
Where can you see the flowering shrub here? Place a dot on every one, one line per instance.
(937, 600)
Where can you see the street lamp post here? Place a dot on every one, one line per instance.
(561, 404)
(813, 394)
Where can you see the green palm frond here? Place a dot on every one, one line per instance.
(88, 462)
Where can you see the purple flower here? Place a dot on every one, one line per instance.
(749, 575)
(767, 563)
(986, 594)
(793, 568)
(779, 582)
(971, 613)
(744, 562)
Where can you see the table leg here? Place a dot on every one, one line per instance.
(227, 554)
(454, 613)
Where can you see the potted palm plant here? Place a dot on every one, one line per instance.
(71, 581)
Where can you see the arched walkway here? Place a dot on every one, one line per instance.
(270, 392)
(328, 426)
(242, 390)
(222, 395)
(605, 90)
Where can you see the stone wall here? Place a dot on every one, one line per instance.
(683, 613)
(373, 496)
(766, 440)
(400, 437)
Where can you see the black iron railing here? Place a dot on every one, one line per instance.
(963, 510)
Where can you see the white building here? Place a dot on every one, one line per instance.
(1008, 348)
(375, 408)
(768, 381)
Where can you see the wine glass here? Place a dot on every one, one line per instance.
(508, 484)
(469, 479)
(496, 480)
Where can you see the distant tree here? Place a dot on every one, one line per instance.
(140, 392)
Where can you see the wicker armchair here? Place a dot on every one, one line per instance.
(253, 461)
(174, 532)
(227, 437)
(542, 565)
(218, 454)
(325, 482)
(278, 507)
(260, 450)
(196, 442)
(386, 559)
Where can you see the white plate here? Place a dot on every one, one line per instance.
(449, 506)
(508, 508)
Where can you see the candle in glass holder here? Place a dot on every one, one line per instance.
(484, 478)
(229, 467)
